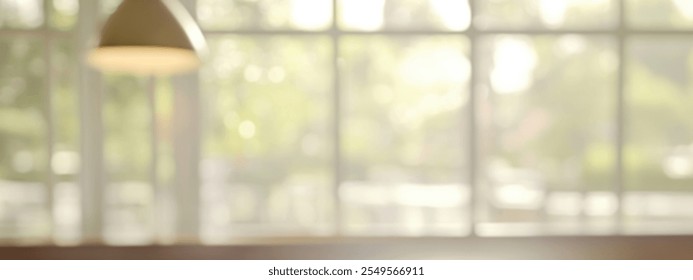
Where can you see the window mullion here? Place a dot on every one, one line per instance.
(91, 128)
(336, 121)
(49, 124)
(472, 124)
(620, 114)
(155, 225)
(186, 141)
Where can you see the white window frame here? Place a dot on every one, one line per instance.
(188, 139)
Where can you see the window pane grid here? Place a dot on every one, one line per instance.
(607, 201)
(339, 34)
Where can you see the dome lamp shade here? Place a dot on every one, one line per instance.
(149, 37)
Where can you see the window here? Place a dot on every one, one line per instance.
(356, 118)
(39, 127)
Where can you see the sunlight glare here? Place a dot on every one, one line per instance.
(65, 162)
(246, 129)
(553, 11)
(311, 14)
(27, 13)
(454, 14)
(685, 7)
(366, 15)
(513, 63)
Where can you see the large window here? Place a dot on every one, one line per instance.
(353, 118)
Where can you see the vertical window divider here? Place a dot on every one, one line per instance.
(472, 35)
(155, 226)
(336, 120)
(91, 178)
(622, 33)
(49, 125)
(186, 145)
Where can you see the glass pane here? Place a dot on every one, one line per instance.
(660, 13)
(65, 162)
(23, 154)
(400, 14)
(164, 196)
(546, 134)
(63, 13)
(658, 153)
(515, 14)
(402, 139)
(265, 14)
(267, 142)
(21, 13)
(127, 151)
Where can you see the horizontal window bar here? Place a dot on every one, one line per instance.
(448, 32)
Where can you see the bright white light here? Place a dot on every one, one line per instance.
(311, 14)
(430, 195)
(66, 212)
(685, 7)
(678, 166)
(601, 204)
(518, 196)
(454, 14)
(246, 129)
(364, 193)
(28, 13)
(65, 162)
(440, 74)
(513, 63)
(552, 12)
(662, 204)
(362, 14)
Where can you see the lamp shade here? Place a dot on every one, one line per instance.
(149, 37)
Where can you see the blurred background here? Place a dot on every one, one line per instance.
(352, 118)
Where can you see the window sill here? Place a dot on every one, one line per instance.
(563, 247)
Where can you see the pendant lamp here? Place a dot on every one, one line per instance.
(149, 37)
